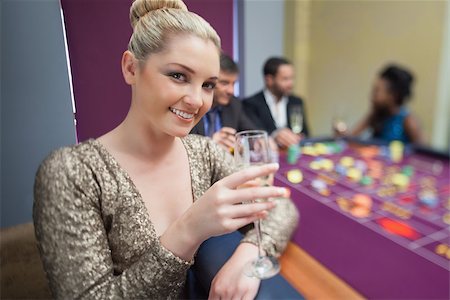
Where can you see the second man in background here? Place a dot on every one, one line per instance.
(275, 109)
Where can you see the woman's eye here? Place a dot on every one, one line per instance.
(209, 85)
(178, 76)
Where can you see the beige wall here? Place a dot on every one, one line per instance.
(350, 41)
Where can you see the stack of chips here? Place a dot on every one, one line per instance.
(396, 149)
(293, 154)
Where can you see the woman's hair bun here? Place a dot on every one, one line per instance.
(140, 8)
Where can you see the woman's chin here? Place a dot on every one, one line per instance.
(181, 132)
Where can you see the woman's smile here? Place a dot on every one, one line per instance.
(183, 115)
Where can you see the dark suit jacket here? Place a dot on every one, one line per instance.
(258, 111)
(232, 116)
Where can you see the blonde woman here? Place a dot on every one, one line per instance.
(123, 215)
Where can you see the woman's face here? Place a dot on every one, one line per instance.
(381, 96)
(174, 88)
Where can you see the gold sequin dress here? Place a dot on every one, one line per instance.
(94, 233)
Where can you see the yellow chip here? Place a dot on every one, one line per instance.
(320, 149)
(295, 176)
(441, 249)
(308, 150)
(343, 203)
(400, 180)
(446, 218)
(328, 165)
(354, 174)
(347, 161)
(315, 165)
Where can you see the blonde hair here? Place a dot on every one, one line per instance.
(154, 20)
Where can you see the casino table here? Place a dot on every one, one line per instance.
(394, 243)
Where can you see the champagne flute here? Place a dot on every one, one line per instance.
(252, 148)
(339, 124)
(296, 119)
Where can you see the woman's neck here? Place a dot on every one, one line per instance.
(393, 110)
(136, 138)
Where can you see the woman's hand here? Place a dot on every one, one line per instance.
(224, 208)
(221, 210)
(231, 282)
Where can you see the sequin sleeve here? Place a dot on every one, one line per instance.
(74, 246)
(281, 222)
(277, 228)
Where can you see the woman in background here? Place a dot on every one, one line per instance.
(123, 215)
(389, 118)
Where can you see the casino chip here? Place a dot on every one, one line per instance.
(408, 171)
(359, 205)
(400, 180)
(428, 198)
(347, 161)
(354, 174)
(321, 187)
(366, 180)
(341, 170)
(295, 176)
(327, 165)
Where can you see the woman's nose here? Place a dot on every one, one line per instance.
(194, 97)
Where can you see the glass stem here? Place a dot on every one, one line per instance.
(258, 237)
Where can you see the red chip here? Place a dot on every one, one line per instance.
(398, 228)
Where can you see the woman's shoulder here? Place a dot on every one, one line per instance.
(204, 149)
(68, 160)
(195, 142)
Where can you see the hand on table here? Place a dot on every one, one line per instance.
(231, 282)
(225, 137)
(285, 138)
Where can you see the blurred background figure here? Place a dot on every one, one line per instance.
(226, 115)
(389, 119)
(275, 109)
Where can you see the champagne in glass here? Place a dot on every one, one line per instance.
(296, 119)
(339, 124)
(252, 148)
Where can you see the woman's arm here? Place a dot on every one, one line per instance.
(360, 127)
(74, 245)
(412, 129)
(230, 281)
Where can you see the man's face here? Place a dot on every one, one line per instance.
(283, 82)
(224, 90)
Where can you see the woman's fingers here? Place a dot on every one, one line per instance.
(255, 193)
(250, 209)
(250, 173)
(228, 142)
(235, 224)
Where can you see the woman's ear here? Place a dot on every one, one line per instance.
(129, 67)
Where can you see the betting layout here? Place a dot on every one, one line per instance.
(406, 199)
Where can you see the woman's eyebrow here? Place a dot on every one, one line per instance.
(191, 70)
(184, 67)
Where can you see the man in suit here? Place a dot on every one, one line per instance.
(226, 115)
(271, 108)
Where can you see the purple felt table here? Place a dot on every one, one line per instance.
(378, 264)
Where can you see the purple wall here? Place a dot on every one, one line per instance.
(97, 34)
